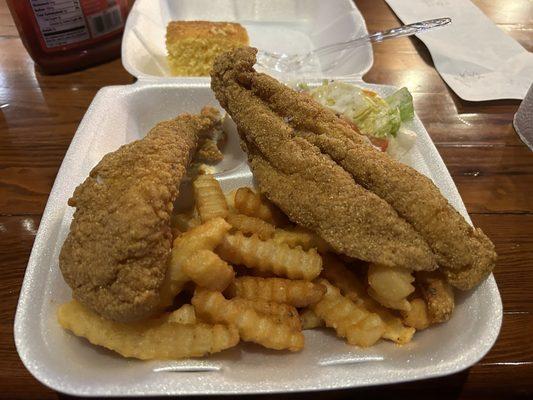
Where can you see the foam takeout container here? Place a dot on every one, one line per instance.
(283, 26)
(121, 114)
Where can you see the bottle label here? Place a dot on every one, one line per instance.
(64, 23)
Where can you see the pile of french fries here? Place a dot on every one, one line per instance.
(239, 270)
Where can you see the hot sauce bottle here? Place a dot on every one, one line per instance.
(67, 35)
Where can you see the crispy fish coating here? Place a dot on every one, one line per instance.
(309, 186)
(438, 295)
(465, 255)
(115, 256)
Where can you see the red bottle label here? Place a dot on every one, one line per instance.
(64, 24)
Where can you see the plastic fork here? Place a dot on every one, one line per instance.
(289, 63)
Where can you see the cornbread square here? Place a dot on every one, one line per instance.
(192, 46)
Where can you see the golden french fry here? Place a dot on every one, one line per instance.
(151, 339)
(208, 270)
(297, 293)
(210, 200)
(336, 272)
(253, 326)
(390, 286)
(270, 256)
(438, 294)
(395, 329)
(251, 225)
(349, 320)
(183, 222)
(282, 313)
(247, 202)
(203, 237)
(302, 237)
(230, 201)
(417, 317)
(310, 320)
(351, 287)
(175, 280)
(183, 315)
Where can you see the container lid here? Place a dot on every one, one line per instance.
(283, 26)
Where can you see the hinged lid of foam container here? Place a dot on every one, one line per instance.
(283, 26)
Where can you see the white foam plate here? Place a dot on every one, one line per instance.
(284, 26)
(71, 365)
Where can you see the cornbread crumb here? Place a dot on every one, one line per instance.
(192, 46)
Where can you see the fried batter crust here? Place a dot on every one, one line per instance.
(309, 186)
(464, 253)
(115, 256)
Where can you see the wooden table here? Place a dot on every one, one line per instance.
(491, 167)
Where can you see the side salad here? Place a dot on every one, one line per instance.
(380, 119)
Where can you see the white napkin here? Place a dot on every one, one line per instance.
(475, 58)
(523, 119)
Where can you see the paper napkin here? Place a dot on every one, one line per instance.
(475, 58)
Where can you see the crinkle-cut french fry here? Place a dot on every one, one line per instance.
(390, 286)
(151, 339)
(400, 305)
(247, 202)
(208, 270)
(203, 237)
(297, 293)
(349, 320)
(183, 222)
(210, 200)
(267, 255)
(351, 287)
(310, 320)
(251, 225)
(438, 294)
(253, 326)
(230, 201)
(175, 280)
(282, 313)
(336, 272)
(417, 317)
(183, 315)
(395, 329)
(302, 237)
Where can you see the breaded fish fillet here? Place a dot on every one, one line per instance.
(115, 256)
(465, 254)
(309, 186)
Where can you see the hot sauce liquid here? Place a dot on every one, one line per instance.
(67, 35)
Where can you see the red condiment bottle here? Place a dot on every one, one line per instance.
(67, 35)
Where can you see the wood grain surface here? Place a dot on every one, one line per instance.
(493, 171)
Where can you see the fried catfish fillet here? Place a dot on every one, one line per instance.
(115, 255)
(271, 115)
(307, 185)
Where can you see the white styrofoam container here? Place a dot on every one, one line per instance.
(283, 26)
(120, 114)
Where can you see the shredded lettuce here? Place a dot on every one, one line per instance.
(403, 101)
(373, 115)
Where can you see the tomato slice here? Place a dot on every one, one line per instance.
(380, 143)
